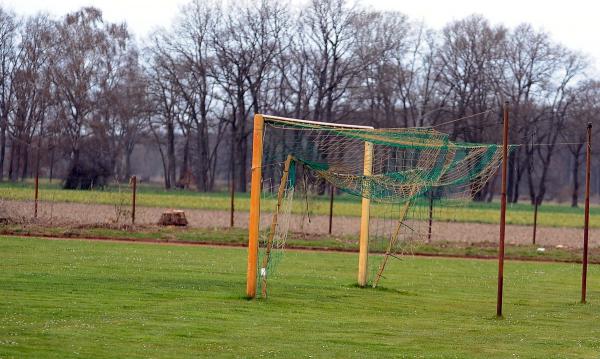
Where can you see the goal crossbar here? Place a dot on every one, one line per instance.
(255, 195)
(278, 119)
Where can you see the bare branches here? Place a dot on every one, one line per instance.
(193, 87)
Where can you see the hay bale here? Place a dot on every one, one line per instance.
(173, 218)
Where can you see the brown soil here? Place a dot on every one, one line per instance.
(74, 214)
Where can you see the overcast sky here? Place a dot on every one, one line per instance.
(575, 23)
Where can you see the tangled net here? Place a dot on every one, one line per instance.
(404, 167)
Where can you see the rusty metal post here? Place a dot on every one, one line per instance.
(588, 157)
(535, 214)
(231, 199)
(502, 212)
(133, 195)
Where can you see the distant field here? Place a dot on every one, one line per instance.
(239, 237)
(551, 215)
(66, 299)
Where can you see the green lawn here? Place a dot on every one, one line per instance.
(63, 299)
(239, 237)
(551, 215)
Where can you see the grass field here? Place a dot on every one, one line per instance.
(239, 237)
(551, 215)
(63, 299)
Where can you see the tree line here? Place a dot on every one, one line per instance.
(78, 93)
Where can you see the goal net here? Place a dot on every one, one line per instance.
(386, 180)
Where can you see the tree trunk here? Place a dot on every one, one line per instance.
(241, 142)
(233, 151)
(25, 156)
(530, 184)
(541, 190)
(2, 148)
(73, 180)
(15, 154)
(128, 153)
(510, 190)
(184, 180)
(482, 194)
(165, 167)
(204, 155)
(164, 160)
(202, 165)
(243, 161)
(171, 166)
(51, 164)
(232, 178)
(491, 192)
(575, 192)
(517, 189)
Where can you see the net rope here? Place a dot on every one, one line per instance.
(410, 168)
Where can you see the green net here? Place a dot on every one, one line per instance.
(406, 162)
(408, 170)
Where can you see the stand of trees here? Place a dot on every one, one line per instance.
(78, 94)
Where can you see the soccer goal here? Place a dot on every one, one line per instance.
(393, 175)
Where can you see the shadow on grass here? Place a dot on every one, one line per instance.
(383, 289)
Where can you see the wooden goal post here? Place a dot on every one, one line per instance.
(255, 195)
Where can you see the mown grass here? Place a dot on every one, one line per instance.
(239, 237)
(550, 215)
(66, 299)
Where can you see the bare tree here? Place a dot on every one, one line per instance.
(8, 34)
(164, 103)
(31, 90)
(74, 73)
(466, 57)
(529, 60)
(584, 109)
(557, 103)
(331, 26)
(77, 86)
(246, 44)
(191, 63)
(119, 106)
